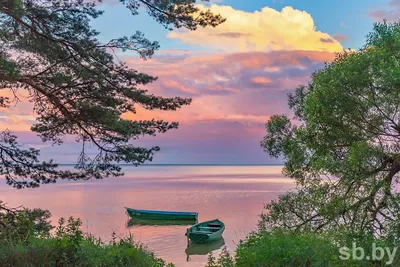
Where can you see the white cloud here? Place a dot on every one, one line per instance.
(265, 30)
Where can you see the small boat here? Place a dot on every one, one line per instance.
(205, 232)
(137, 221)
(161, 215)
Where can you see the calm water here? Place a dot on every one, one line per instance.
(234, 194)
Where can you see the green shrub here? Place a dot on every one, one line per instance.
(19, 225)
(286, 249)
(69, 246)
(225, 259)
(283, 248)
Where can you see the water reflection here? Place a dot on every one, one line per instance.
(203, 249)
(234, 194)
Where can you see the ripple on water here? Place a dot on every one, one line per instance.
(235, 195)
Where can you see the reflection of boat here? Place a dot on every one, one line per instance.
(206, 231)
(141, 221)
(161, 215)
(204, 249)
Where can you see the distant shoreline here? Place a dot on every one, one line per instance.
(222, 165)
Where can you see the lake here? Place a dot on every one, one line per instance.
(234, 194)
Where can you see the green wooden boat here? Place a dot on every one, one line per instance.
(161, 215)
(206, 231)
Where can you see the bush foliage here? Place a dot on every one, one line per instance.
(28, 239)
(281, 248)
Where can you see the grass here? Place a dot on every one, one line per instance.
(56, 252)
(69, 246)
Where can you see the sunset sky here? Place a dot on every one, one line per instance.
(238, 74)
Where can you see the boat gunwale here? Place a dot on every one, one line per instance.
(222, 228)
(163, 212)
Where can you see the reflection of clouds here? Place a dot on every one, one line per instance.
(100, 203)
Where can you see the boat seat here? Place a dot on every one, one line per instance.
(214, 225)
(202, 231)
(209, 229)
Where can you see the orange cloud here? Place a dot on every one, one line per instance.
(16, 122)
(261, 80)
(265, 30)
(19, 116)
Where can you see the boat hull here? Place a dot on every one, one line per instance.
(135, 221)
(161, 215)
(205, 237)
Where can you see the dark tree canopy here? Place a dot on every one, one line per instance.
(48, 48)
(344, 151)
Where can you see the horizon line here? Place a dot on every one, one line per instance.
(188, 164)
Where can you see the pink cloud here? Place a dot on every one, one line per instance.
(234, 94)
(266, 54)
(340, 37)
(243, 87)
(261, 80)
(391, 13)
(233, 87)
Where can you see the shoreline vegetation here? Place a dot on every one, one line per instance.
(27, 238)
(189, 165)
(279, 248)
